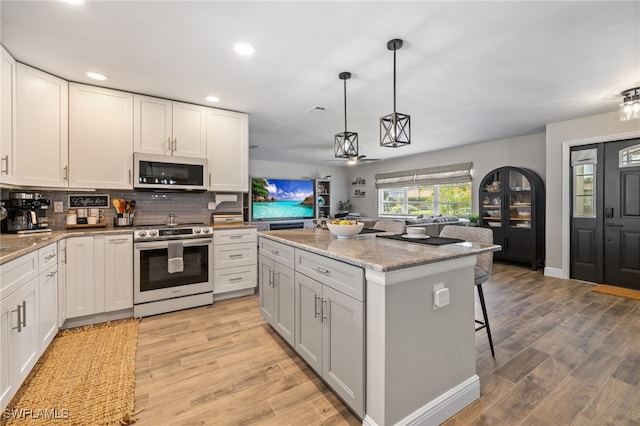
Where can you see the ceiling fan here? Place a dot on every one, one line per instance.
(356, 159)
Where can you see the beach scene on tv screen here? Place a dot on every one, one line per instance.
(281, 198)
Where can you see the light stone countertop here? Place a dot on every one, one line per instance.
(13, 246)
(370, 252)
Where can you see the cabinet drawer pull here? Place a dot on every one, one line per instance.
(51, 274)
(324, 307)
(235, 279)
(19, 327)
(119, 240)
(235, 237)
(315, 306)
(51, 256)
(274, 251)
(319, 269)
(234, 256)
(6, 161)
(24, 313)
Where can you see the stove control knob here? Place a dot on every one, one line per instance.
(206, 230)
(142, 233)
(153, 233)
(196, 230)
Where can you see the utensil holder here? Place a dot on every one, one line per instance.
(123, 219)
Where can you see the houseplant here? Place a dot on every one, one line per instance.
(344, 206)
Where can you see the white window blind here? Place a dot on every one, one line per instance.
(453, 173)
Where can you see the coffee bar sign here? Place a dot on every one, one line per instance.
(88, 201)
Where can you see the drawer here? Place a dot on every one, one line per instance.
(232, 236)
(231, 255)
(17, 272)
(233, 279)
(279, 252)
(47, 257)
(345, 278)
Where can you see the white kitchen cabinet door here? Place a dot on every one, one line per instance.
(267, 290)
(48, 301)
(18, 338)
(42, 136)
(62, 282)
(166, 127)
(284, 320)
(189, 130)
(118, 269)
(80, 277)
(8, 117)
(228, 150)
(343, 347)
(152, 125)
(100, 137)
(308, 323)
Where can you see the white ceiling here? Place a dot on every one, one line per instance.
(469, 71)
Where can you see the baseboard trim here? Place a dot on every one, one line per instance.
(443, 407)
(555, 272)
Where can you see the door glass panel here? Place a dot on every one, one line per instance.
(630, 156)
(518, 181)
(584, 176)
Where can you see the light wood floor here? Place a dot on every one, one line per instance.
(564, 356)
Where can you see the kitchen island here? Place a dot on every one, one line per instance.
(417, 361)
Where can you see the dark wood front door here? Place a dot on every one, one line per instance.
(621, 216)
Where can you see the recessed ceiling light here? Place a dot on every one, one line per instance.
(76, 2)
(96, 75)
(244, 49)
(213, 99)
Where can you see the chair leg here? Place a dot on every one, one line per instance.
(486, 318)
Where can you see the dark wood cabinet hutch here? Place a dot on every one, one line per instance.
(512, 205)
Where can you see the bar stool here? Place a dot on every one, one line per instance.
(482, 270)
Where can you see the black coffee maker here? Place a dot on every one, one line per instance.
(25, 215)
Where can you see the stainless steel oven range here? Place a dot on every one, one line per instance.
(172, 268)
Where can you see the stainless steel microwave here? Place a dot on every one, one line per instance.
(169, 173)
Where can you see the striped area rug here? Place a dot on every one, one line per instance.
(617, 291)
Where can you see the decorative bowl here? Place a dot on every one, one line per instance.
(345, 231)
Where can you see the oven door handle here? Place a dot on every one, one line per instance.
(150, 245)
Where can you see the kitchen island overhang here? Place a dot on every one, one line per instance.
(420, 361)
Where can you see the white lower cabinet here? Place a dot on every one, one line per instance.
(99, 274)
(28, 315)
(329, 335)
(235, 257)
(80, 277)
(62, 282)
(118, 272)
(317, 305)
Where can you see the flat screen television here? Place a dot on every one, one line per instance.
(281, 199)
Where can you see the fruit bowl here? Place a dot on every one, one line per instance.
(345, 231)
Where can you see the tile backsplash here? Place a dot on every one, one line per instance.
(151, 207)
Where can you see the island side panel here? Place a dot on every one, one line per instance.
(418, 358)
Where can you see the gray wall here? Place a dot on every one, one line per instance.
(559, 136)
(525, 151)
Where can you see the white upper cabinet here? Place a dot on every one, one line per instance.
(228, 150)
(41, 156)
(8, 117)
(166, 127)
(100, 137)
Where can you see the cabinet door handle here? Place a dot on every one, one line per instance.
(66, 172)
(315, 305)
(64, 258)
(6, 162)
(209, 179)
(19, 327)
(276, 279)
(324, 308)
(270, 278)
(129, 175)
(175, 144)
(319, 269)
(169, 144)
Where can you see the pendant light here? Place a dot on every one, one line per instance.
(395, 128)
(345, 144)
(630, 106)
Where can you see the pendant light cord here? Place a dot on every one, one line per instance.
(345, 105)
(394, 84)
